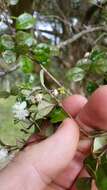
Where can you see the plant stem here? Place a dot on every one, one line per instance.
(55, 80)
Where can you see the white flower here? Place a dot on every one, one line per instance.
(87, 54)
(3, 154)
(39, 97)
(55, 92)
(20, 111)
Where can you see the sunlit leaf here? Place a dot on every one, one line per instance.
(26, 64)
(99, 143)
(13, 2)
(75, 74)
(25, 21)
(42, 53)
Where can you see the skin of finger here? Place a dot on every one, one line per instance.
(58, 150)
(67, 178)
(73, 104)
(94, 113)
(54, 187)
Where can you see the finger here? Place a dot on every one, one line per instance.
(68, 176)
(94, 113)
(58, 150)
(53, 186)
(73, 104)
(44, 161)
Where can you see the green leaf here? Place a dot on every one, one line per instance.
(91, 87)
(25, 21)
(75, 74)
(100, 67)
(58, 115)
(101, 176)
(42, 53)
(13, 2)
(9, 56)
(96, 55)
(4, 94)
(84, 183)
(99, 62)
(15, 90)
(44, 108)
(90, 164)
(84, 64)
(99, 143)
(24, 38)
(6, 42)
(26, 64)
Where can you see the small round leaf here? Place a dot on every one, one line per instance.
(25, 21)
(26, 64)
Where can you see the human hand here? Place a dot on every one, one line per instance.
(49, 165)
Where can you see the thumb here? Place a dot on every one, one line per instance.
(53, 155)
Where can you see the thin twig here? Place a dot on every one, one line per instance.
(80, 34)
(55, 80)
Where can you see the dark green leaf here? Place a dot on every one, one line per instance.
(84, 183)
(91, 87)
(6, 42)
(90, 164)
(101, 176)
(42, 53)
(24, 38)
(100, 67)
(97, 54)
(58, 115)
(15, 90)
(25, 21)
